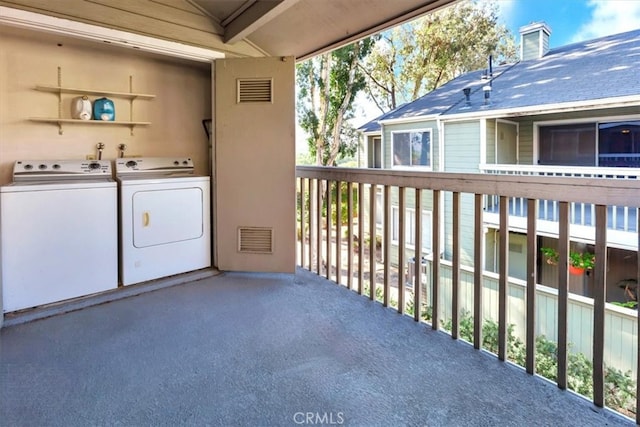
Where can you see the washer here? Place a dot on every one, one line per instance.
(165, 225)
(58, 232)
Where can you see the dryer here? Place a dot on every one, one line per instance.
(58, 232)
(165, 222)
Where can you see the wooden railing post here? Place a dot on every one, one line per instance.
(532, 281)
(455, 274)
(478, 248)
(563, 293)
(599, 298)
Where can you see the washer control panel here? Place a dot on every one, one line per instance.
(56, 170)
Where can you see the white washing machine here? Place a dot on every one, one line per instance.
(165, 225)
(58, 232)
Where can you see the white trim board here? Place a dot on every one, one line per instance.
(50, 24)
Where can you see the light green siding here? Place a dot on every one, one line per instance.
(530, 46)
(461, 154)
(462, 146)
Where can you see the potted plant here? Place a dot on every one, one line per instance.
(551, 255)
(578, 261)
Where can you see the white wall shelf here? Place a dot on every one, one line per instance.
(70, 90)
(60, 90)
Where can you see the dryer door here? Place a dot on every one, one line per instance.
(167, 216)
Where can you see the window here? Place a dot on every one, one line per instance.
(619, 144)
(411, 149)
(568, 145)
(410, 228)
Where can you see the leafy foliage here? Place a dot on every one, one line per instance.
(416, 58)
(327, 87)
(620, 388)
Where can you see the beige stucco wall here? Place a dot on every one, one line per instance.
(255, 164)
(27, 59)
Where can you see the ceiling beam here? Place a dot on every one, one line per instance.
(258, 14)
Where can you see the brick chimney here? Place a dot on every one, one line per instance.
(534, 40)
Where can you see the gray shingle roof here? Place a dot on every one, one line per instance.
(602, 68)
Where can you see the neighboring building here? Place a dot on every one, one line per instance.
(572, 110)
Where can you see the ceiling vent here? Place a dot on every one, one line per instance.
(255, 90)
(256, 240)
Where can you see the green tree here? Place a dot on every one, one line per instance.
(327, 86)
(413, 59)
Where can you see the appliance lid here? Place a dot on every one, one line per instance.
(146, 167)
(25, 171)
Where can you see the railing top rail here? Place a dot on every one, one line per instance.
(603, 191)
(591, 171)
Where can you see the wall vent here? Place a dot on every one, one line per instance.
(257, 240)
(255, 90)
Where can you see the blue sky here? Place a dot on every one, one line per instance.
(572, 20)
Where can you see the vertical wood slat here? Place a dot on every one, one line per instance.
(638, 310)
(360, 236)
(372, 242)
(435, 268)
(563, 293)
(313, 217)
(599, 280)
(386, 239)
(303, 218)
(339, 232)
(319, 226)
(503, 261)
(350, 235)
(329, 261)
(478, 241)
(401, 251)
(417, 256)
(532, 280)
(455, 274)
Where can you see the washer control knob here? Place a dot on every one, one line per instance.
(28, 166)
(175, 162)
(42, 166)
(131, 164)
(94, 165)
(56, 166)
(184, 162)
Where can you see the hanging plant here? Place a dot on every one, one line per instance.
(578, 261)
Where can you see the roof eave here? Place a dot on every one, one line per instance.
(615, 102)
(409, 119)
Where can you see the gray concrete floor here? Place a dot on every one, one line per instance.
(242, 349)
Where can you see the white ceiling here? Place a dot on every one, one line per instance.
(233, 28)
(303, 28)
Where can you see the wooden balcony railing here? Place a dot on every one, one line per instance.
(619, 218)
(337, 246)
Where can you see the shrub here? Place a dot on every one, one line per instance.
(620, 388)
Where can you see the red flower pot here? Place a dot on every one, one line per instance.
(576, 270)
